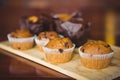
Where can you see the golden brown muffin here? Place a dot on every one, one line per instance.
(48, 35)
(44, 37)
(60, 43)
(59, 52)
(96, 54)
(21, 34)
(21, 39)
(96, 47)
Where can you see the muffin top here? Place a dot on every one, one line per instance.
(48, 35)
(21, 33)
(96, 47)
(60, 43)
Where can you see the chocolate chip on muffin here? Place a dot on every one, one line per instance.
(61, 50)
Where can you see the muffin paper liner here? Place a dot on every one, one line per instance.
(41, 42)
(95, 56)
(61, 36)
(54, 51)
(11, 39)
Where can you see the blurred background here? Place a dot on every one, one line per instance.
(104, 15)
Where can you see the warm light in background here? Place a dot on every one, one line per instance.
(97, 11)
(110, 27)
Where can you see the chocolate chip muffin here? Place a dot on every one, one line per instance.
(21, 39)
(96, 47)
(36, 24)
(44, 37)
(96, 54)
(48, 35)
(59, 50)
(60, 43)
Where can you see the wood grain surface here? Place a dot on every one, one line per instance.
(74, 67)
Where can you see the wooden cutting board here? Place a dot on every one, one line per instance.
(74, 67)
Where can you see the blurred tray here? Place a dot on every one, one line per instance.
(72, 68)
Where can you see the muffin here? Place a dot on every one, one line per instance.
(36, 24)
(21, 39)
(48, 35)
(70, 25)
(95, 54)
(59, 50)
(44, 37)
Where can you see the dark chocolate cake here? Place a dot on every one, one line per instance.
(75, 28)
(36, 24)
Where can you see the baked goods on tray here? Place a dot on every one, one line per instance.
(59, 50)
(95, 54)
(73, 26)
(44, 37)
(21, 39)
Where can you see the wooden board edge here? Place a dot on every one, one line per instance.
(19, 53)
